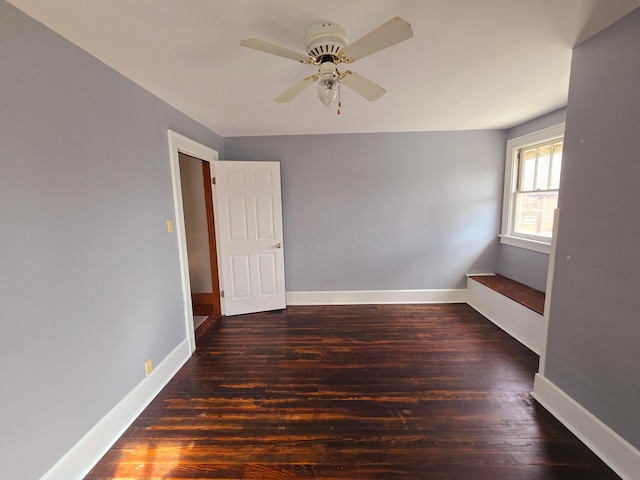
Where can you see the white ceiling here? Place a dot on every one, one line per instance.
(472, 64)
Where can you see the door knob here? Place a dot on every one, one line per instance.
(278, 245)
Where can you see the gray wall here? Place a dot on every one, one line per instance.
(524, 266)
(549, 120)
(195, 223)
(527, 266)
(592, 350)
(89, 276)
(385, 211)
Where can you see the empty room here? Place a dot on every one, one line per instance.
(360, 239)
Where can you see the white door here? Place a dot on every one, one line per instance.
(249, 209)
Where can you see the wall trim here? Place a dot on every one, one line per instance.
(525, 243)
(615, 451)
(376, 297)
(549, 291)
(84, 455)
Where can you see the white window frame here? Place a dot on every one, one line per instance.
(511, 165)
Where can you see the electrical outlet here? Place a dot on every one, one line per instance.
(170, 226)
(148, 367)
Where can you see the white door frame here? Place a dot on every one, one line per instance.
(181, 144)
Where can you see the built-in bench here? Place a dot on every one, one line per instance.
(514, 307)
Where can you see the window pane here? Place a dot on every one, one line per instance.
(544, 157)
(528, 169)
(534, 213)
(556, 166)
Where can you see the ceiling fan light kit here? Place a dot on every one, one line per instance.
(328, 83)
(327, 46)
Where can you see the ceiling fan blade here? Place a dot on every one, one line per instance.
(294, 91)
(362, 86)
(394, 31)
(263, 46)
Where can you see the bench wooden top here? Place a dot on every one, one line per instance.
(516, 291)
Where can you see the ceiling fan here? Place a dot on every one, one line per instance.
(327, 46)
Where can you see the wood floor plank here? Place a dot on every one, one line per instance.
(352, 392)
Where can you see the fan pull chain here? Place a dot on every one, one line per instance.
(339, 102)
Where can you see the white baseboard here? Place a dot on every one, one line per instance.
(522, 323)
(376, 297)
(614, 450)
(83, 456)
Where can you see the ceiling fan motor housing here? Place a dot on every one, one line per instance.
(325, 39)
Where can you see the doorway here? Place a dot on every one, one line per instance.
(179, 144)
(198, 212)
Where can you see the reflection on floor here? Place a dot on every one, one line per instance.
(352, 392)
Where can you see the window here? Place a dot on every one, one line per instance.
(532, 182)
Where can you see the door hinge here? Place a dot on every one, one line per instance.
(213, 180)
(222, 294)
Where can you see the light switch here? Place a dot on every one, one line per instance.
(170, 226)
(148, 367)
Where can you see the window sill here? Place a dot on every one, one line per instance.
(525, 243)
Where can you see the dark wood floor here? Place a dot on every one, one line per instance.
(356, 392)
